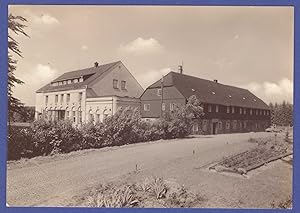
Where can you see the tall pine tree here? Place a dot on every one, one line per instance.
(15, 26)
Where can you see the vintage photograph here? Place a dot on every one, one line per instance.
(150, 106)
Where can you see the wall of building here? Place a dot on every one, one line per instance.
(74, 104)
(98, 108)
(170, 95)
(104, 87)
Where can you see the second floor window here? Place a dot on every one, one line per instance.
(56, 99)
(115, 84)
(61, 98)
(232, 110)
(68, 98)
(241, 110)
(123, 85)
(217, 108)
(146, 107)
(158, 92)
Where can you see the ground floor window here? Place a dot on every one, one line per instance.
(195, 127)
(227, 124)
(220, 125)
(204, 125)
(74, 117)
(245, 124)
(234, 124)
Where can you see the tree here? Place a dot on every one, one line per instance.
(16, 26)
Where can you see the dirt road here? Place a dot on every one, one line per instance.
(54, 181)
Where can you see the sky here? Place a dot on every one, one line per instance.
(249, 47)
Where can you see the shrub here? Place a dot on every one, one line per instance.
(20, 143)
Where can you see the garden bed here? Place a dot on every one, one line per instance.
(266, 151)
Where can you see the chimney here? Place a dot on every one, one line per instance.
(180, 69)
(96, 64)
(216, 81)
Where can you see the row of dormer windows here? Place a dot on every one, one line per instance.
(69, 81)
(240, 110)
(61, 98)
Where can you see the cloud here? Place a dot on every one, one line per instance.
(141, 46)
(149, 77)
(43, 18)
(34, 78)
(84, 47)
(273, 92)
(39, 75)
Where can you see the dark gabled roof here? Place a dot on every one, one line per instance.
(92, 73)
(211, 92)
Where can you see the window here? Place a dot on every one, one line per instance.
(68, 115)
(204, 126)
(220, 125)
(260, 112)
(163, 107)
(61, 98)
(234, 124)
(264, 112)
(123, 85)
(217, 108)
(68, 98)
(256, 126)
(159, 92)
(245, 111)
(241, 110)
(64, 82)
(81, 79)
(75, 80)
(250, 111)
(209, 108)
(56, 99)
(195, 127)
(228, 109)
(257, 112)
(80, 116)
(46, 99)
(227, 124)
(245, 124)
(146, 107)
(69, 82)
(97, 118)
(80, 97)
(74, 117)
(172, 106)
(232, 109)
(115, 84)
(91, 117)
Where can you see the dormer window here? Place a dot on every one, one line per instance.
(75, 80)
(69, 81)
(81, 79)
(228, 109)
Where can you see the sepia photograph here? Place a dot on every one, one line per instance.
(123, 106)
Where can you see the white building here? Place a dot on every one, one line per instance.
(89, 94)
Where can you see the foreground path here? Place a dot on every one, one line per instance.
(53, 181)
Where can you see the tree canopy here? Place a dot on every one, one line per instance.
(16, 27)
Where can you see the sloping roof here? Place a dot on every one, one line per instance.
(211, 92)
(92, 73)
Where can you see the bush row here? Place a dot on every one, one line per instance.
(125, 127)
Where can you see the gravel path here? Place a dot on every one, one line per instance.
(54, 181)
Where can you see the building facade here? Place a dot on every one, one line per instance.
(89, 94)
(227, 109)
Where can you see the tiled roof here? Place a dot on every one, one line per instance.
(92, 72)
(211, 92)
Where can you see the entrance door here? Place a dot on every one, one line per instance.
(214, 128)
